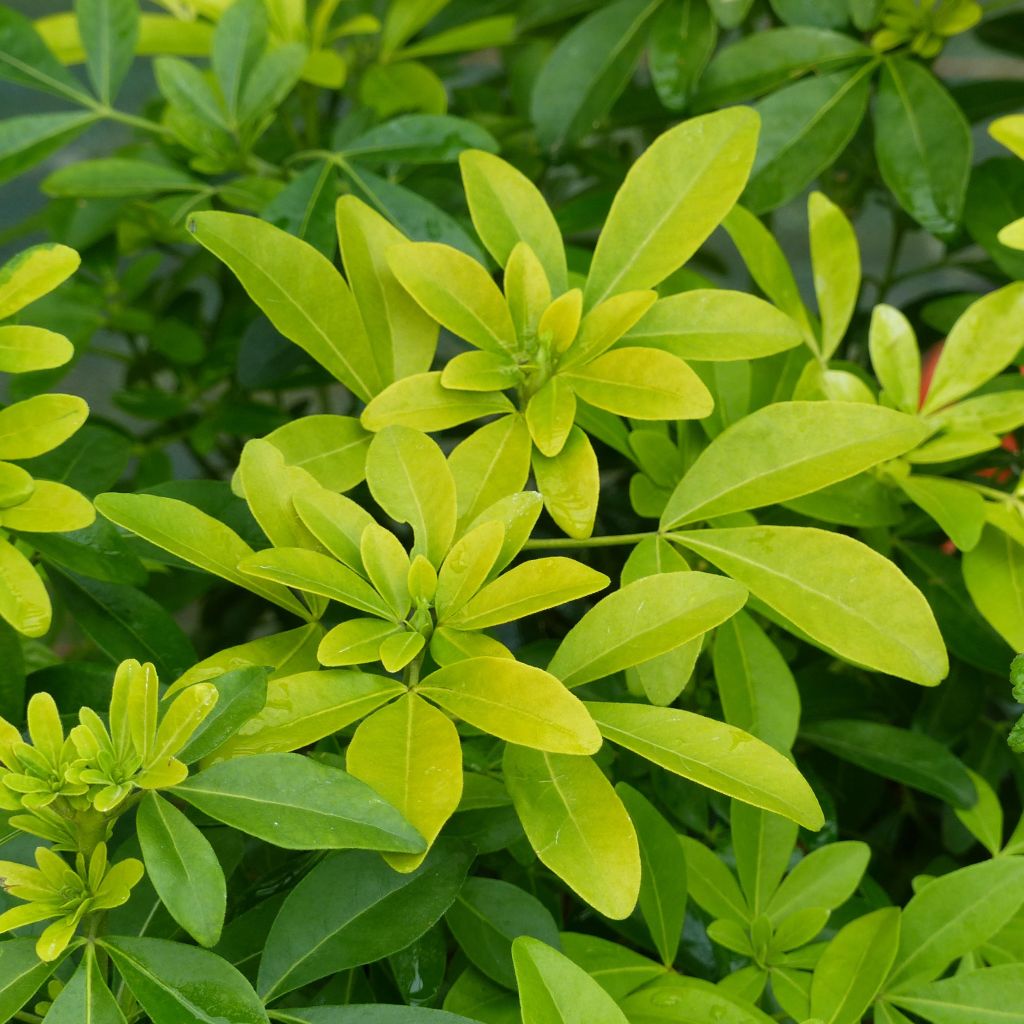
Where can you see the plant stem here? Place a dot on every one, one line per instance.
(613, 540)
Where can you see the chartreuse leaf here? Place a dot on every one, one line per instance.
(387, 568)
(336, 521)
(313, 573)
(507, 208)
(641, 620)
(642, 383)
(481, 371)
(713, 754)
(895, 357)
(491, 464)
(675, 998)
(786, 450)
(191, 534)
(551, 413)
(577, 826)
(837, 591)
(956, 506)
(757, 689)
(422, 402)
(835, 258)
(299, 290)
(409, 478)
(854, 966)
(24, 348)
(763, 845)
(24, 602)
(529, 587)
(673, 197)
(984, 820)
(553, 990)
(570, 484)
(516, 702)
(663, 877)
(986, 996)
(312, 938)
(715, 324)
(993, 571)
(922, 144)
(371, 1013)
(456, 291)
(410, 753)
(109, 30)
(826, 877)
(466, 567)
(291, 651)
(34, 272)
(617, 969)
(85, 999)
(981, 344)
(488, 915)
(355, 641)
(38, 424)
(768, 266)
(183, 868)
(331, 449)
(300, 804)
(712, 885)
(238, 43)
(269, 485)
(402, 336)
(50, 508)
(605, 324)
(303, 708)
(953, 915)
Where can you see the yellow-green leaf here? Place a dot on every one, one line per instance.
(835, 259)
(515, 702)
(895, 357)
(51, 508)
(550, 414)
(838, 591)
(354, 642)
(38, 424)
(491, 464)
(23, 349)
(713, 754)
(410, 753)
(33, 273)
(570, 483)
(24, 602)
(422, 402)
(577, 825)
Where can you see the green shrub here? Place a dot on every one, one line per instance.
(512, 600)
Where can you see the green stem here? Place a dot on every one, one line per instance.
(611, 541)
(131, 119)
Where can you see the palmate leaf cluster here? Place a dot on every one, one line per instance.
(508, 575)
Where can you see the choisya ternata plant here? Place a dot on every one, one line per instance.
(30, 428)
(71, 790)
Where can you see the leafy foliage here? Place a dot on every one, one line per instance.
(575, 599)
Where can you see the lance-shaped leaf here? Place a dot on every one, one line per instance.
(313, 937)
(300, 291)
(787, 450)
(517, 702)
(571, 484)
(191, 534)
(85, 999)
(456, 291)
(409, 478)
(507, 208)
(895, 357)
(422, 402)
(183, 868)
(982, 343)
(643, 619)
(24, 602)
(530, 587)
(835, 258)
(174, 982)
(836, 590)
(300, 804)
(577, 825)
(985, 996)
(854, 965)
(826, 877)
(410, 753)
(713, 754)
(715, 324)
(673, 197)
(554, 990)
